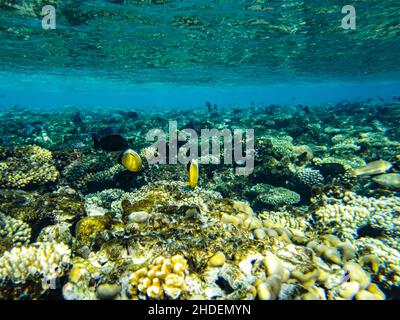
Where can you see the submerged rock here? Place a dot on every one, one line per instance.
(108, 291)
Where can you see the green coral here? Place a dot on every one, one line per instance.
(91, 229)
(308, 177)
(34, 208)
(275, 196)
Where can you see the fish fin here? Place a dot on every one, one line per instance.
(352, 171)
(96, 143)
(119, 160)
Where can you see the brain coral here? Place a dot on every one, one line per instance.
(24, 166)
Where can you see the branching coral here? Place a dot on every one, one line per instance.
(13, 232)
(25, 166)
(344, 217)
(165, 277)
(35, 268)
(46, 259)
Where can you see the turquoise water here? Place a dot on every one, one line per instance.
(174, 53)
(86, 214)
(113, 46)
(44, 91)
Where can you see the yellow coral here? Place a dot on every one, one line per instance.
(164, 278)
(46, 259)
(24, 166)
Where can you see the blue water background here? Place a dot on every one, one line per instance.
(52, 92)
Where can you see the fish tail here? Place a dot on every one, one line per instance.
(352, 171)
(96, 143)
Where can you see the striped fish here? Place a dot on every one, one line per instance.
(373, 168)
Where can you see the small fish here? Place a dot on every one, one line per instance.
(31, 129)
(77, 145)
(373, 168)
(193, 170)
(109, 139)
(76, 118)
(131, 160)
(129, 114)
(211, 107)
(389, 180)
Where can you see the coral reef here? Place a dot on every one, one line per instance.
(41, 209)
(308, 177)
(347, 215)
(303, 225)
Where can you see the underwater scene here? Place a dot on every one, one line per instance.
(199, 150)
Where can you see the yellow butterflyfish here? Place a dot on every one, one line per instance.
(131, 160)
(193, 170)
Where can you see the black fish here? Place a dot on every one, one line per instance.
(132, 115)
(32, 128)
(128, 114)
(210, 107)
(76, 118)
(110, 139)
